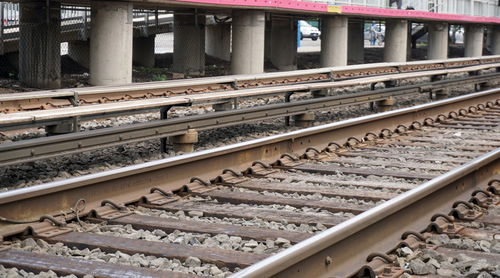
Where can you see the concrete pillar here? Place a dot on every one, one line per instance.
(185, 142)
(79, 51)
(223, 106)
(304, 120)
(396, 39)
(356, 41)
(218, 41)
(440, 94)
(144, 51)
(111, 43)
(248, 42)
(385, 105)
(333, 41)
(438, 41)
(284, 43)
(189, 44)
(39, 44)
(473, 40)
(495, 40)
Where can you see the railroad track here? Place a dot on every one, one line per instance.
(46, 100)
(240, 207)
(46, 147)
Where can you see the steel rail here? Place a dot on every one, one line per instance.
(46, 147)
(236, 81)
(341, 250)
(129, 184)
(45, 117)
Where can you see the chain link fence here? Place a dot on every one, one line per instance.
(74, 35)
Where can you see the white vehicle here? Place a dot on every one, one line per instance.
(308, 31)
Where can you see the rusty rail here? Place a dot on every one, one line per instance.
(342, 249)
(43, 100)
(135, 181)
(74, 115)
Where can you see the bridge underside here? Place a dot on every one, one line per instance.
(256, 31)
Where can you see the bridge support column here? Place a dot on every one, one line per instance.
(438, 41)
(473, 40)
(189, 44)
(39, 44)
(248, 42)
(284, 43)
(218, 41)
(495, 40)
(396, 38)
(79, 51)
(334, 41)
(144, 51)
(111, 43)
(185, 142)
(356, 41)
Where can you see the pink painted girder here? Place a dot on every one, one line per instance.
(358, 10)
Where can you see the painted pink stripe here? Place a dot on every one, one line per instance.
(323, 8)
(415, 14)
(282, 4)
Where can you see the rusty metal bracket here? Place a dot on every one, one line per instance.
(110, 210)
(259, 169)
(198, 185)
(229, 177)
(463, 212)
(494, 187)
(313, 154)
(349, 143)
(48, 228)
(379, 265)
(333, 147)
(287, 161)
(443, 224)
(158, 197)
(483, 199)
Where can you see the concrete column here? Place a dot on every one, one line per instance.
(284, 43)
(304, 120)
(39, 44)
(79, 51)
(495, 40)
(189, 44)
(473, 40)
(218, 41)
(248, 42)
(144, 51)
(396, 38)
(111, 43)
(385, 105)
(438, 41)
(356, 41)
(333, 41)
(185, 142)
(440, 94)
